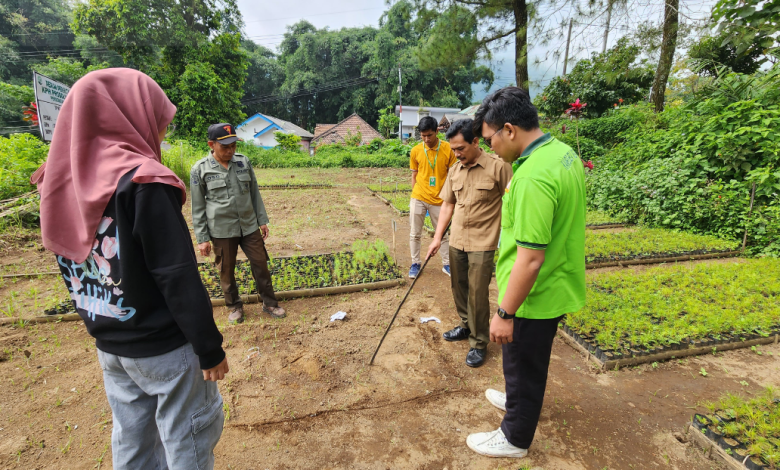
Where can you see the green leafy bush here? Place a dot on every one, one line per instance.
(692, 167)
(288, 142)
(22, 155)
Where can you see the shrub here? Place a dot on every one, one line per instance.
(288, 142)
(22, 155)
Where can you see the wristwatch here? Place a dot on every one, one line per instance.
(503, 314)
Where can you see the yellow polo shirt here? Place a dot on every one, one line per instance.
(431, 163)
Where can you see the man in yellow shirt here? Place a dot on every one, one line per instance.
(430, 162)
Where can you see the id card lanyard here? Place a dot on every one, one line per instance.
(432, 179)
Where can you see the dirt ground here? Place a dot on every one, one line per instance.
(309, 399)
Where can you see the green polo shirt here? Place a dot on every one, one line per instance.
(544, 209)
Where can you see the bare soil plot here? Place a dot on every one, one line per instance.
(308, 399)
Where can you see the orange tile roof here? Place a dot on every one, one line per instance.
(352, 124)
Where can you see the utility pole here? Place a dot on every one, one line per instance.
(566, 55)
(400, 109)
(606, 29)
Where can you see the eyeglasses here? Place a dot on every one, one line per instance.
(489, 140)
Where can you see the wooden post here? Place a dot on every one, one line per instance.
(750, 211)
(566, 55)
(395, 227)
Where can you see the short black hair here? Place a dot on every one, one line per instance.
(464, 127)
(508, 105)
(427, 124)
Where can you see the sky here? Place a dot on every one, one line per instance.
(266, 23)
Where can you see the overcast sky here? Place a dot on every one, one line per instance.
(266, 24)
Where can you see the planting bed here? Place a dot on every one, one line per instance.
(744, 432)
(295, 186)
(595, 220)
(365, 265)
(398, 201)
(676, 311)
(390, 188)
(648, 246)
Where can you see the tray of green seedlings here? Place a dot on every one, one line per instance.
(746, 431)
(398, 201)
(643, 245)
(428, 225)
(595, 220)
(366, 262)
(291, 185)
(390, 188)
(674, 311)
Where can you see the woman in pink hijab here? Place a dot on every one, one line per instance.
(111, 212)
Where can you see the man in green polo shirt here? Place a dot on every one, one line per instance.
(541, 262)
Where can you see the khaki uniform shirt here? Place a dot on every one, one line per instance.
(226, 202)
(476, 193)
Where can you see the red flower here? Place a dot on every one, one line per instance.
(620, 100)
(615, 105)
(576, 108)
(588, 164)
(30, 114)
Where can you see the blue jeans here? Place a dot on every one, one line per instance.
(165, 415)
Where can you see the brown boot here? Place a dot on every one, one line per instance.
(236, 316)
(276, 312)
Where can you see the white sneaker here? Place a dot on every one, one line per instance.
(494, 444)
(496, 398)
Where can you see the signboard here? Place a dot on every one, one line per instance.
(49, 96)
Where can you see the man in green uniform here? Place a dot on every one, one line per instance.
(541, 261)
(227, 210)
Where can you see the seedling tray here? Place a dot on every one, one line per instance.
(389, 203)
(607, 225)
(712, 449)
(744, 433)
(295, 186)
(657, 258)
(605, 360)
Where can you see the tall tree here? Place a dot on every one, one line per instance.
(466, 29)
(668, 46)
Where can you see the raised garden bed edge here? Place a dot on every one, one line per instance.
(669, 259)
(712, 448)
(607, 225)
(296, 186)
(663, 355)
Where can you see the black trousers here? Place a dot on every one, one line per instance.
(526, 360)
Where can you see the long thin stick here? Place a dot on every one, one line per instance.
(402, 303)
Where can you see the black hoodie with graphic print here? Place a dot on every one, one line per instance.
(139, 291)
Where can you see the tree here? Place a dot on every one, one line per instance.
(140, 29)
(456, 32)
(749, 23)
(618, 76)
(711, 53)
(191, 48)
(32, 30)
(66, 70)
(388, 122)
(668, 46)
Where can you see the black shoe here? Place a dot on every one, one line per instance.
(457, 334)
(476, 357)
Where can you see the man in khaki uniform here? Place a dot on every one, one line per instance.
(472, 199)
(227, 210)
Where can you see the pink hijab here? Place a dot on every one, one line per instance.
(108, 125)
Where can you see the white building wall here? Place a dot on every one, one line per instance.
(411, 116)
